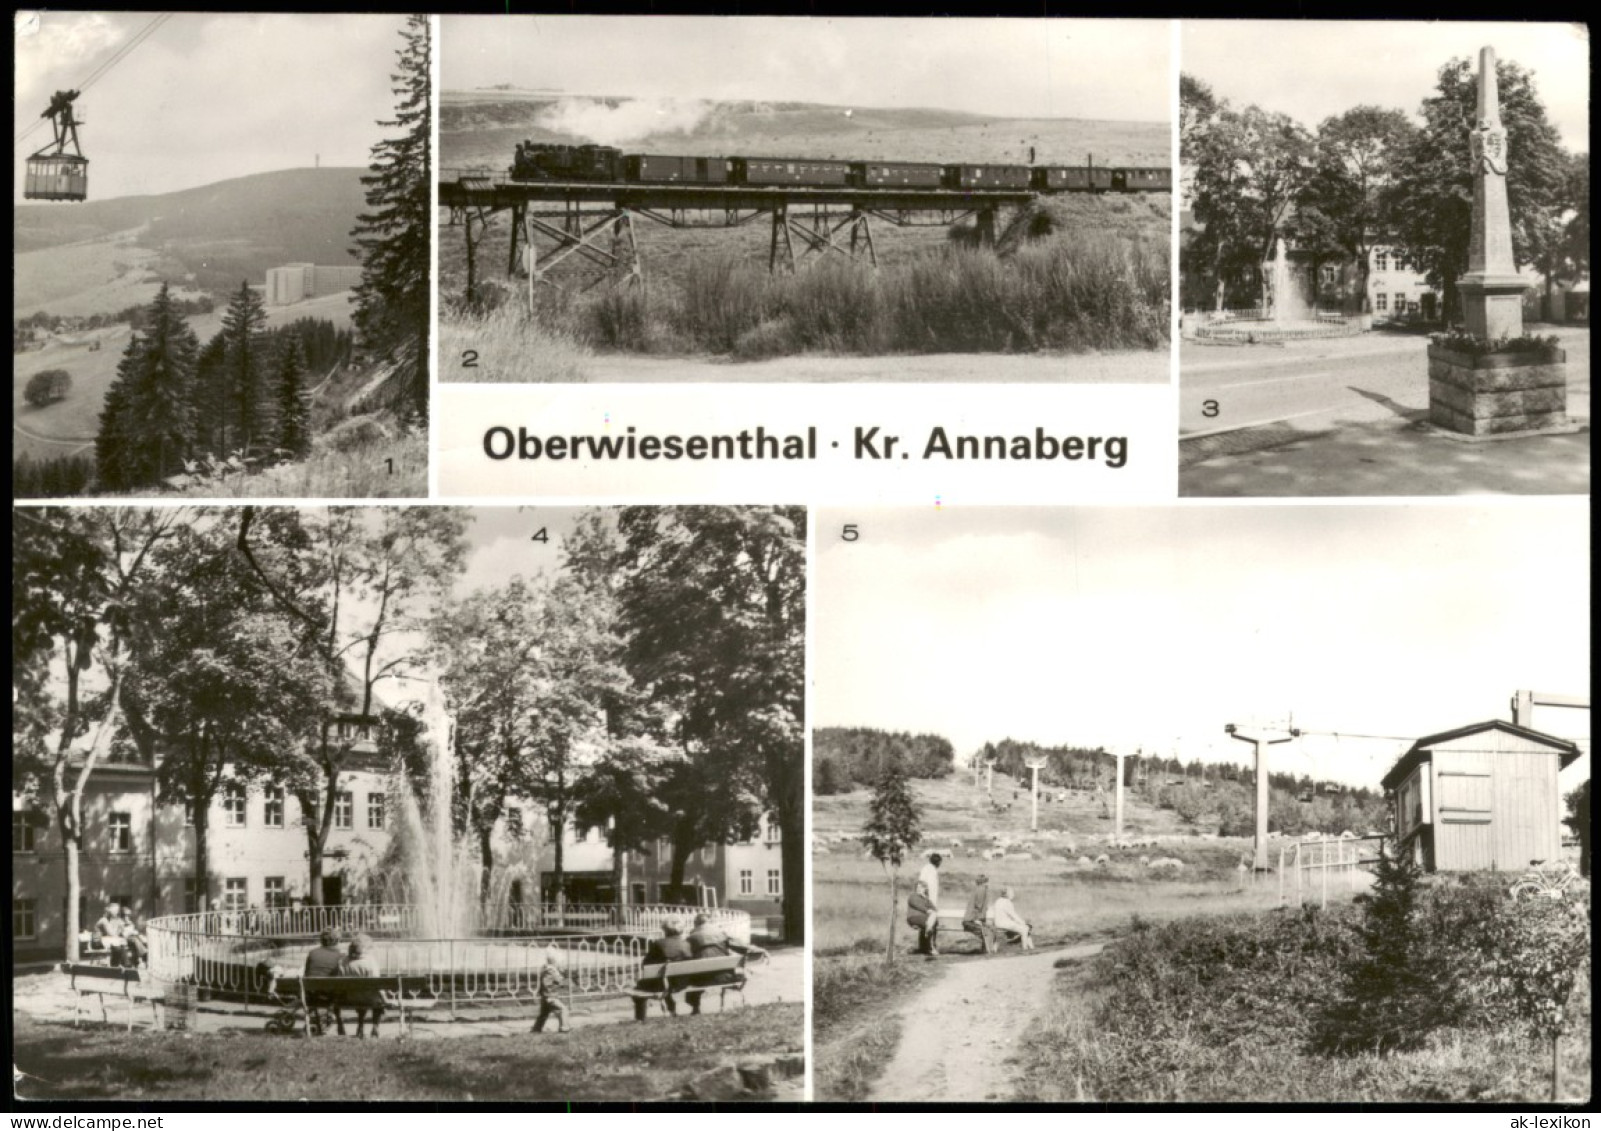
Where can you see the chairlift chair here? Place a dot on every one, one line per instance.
(53, 173)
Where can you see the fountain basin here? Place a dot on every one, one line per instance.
(1257, 328)
(236, 956)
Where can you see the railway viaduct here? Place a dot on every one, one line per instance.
(553, 221)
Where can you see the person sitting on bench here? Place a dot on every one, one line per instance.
(108, 930)
(708, 940)
(977, 911)
(671, 947)
(138, 950)
(1012, 926)
(325, 962)
(361, 963)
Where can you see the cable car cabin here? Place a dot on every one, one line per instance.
(57, 176)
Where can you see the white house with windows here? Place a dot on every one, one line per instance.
(746, 876)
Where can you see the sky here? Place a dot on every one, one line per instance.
(1114, 69)
(206, 97)
(1314, 69)
(1152, 628)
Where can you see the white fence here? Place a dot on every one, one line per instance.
(1310, 869)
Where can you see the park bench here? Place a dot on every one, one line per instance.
(88, 978)
(397, 994)
(692, 974)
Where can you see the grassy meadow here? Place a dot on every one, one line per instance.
(620, 1062)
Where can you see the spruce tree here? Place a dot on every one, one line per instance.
(212, 398)
(245, 367)
(162, 408)
(294, 404)
(393, 237)
(114, 439)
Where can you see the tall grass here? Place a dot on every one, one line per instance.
(371, 466)
(505, 345)
(855, 1027)
(1072, 292)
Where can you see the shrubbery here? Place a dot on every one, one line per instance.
(1416, 959)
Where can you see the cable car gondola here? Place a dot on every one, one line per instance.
(53, 173)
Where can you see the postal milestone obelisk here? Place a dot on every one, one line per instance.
(1492, 289)
(1492, 391)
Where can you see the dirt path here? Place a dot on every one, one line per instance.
(957, 1035)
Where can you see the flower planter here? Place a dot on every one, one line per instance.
(1489, 394)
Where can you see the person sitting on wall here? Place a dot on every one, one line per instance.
(325, 961)
(708, 940)
(360, 962)
(671, 947)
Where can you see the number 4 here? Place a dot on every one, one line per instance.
(542, 536)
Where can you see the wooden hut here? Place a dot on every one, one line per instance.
(1480, 798)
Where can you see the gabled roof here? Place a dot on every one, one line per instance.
(1419, 750)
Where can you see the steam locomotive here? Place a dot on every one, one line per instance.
(606, 164)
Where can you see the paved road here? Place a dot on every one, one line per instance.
(1313, 384)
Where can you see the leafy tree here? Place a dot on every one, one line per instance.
(892, 830)
(294, 405)
(244, 368)
(1539, 957)
(1341, 205)
(75, 575)
(357, 583)
(393, 238)
(47, 386)
(1430, 198)
(713, 603)
(622, 794)
(1578, 820)
(218, 684)
(1246, 169)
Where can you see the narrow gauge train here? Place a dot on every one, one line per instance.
(604, 163)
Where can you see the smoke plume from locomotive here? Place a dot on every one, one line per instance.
(632, 120)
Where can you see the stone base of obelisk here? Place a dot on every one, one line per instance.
(1498, 396)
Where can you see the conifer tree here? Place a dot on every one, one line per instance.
(212, 401)
(294, 408)
(245, 367)
(393, 237)
(163, 394)
(113, 441)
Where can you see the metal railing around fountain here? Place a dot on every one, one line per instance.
(236, 955)
(1259, 323)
